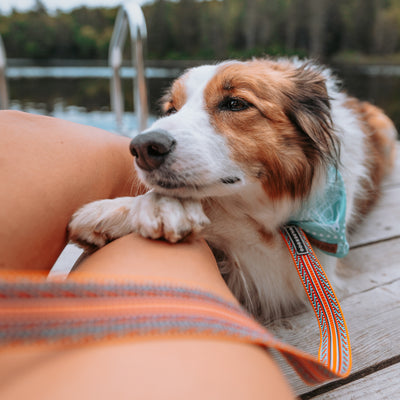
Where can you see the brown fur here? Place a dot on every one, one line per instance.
(289, 101)
(175, 98)
(378, 129)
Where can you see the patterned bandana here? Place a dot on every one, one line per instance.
(322, 218)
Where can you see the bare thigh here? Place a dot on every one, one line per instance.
(147, 369)
(49, 168)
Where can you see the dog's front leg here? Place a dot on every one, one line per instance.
(151, 215)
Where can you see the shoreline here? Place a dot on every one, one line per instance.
(351, 61)
(64, 68)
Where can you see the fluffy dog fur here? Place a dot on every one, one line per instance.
(250, 141)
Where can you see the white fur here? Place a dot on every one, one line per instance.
(201, 157)
(261, 274)
(151, 215)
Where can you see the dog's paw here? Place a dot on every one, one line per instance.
(98, 223)
(170, 218)
(151, 215)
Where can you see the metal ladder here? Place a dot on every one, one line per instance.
(130, 16)
(3, 82)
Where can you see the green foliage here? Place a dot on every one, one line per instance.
(191, 29)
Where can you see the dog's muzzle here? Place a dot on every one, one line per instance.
(152, 148)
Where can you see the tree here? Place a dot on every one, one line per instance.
(159, 36)
(386, 31)
(213, 29)
(317, 23)
(250, 23)
(39, 7)
(186, 28)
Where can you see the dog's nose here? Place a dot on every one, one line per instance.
(152, 148)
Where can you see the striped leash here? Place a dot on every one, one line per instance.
(334, 348)
(34, 311)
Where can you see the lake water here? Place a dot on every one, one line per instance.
(81, 94)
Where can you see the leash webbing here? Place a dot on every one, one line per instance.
(334, 349)
(79, 311)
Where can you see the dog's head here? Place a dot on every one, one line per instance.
(239, 123)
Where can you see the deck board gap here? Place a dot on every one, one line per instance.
(352, 378)
(372, 288)
(366, 244)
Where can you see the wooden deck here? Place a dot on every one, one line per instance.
(371, 306)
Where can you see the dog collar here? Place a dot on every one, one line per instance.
(322, 217)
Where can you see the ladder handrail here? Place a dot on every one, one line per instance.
(130, 16)
(3, 81)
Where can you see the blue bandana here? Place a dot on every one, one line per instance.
(323, 217)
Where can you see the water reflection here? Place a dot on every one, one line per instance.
(87, 100)
(382, 90)
(82, 100)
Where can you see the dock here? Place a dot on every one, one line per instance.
(371, 307)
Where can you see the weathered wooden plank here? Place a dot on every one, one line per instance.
(373, 322)
(382, 385)
(368, 267)
(383, 222)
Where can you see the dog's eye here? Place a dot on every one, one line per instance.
(233, 104)
(170, 111)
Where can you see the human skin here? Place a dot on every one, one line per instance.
(49, 168)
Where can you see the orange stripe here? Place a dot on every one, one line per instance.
(330, 318)
(340, 349)
(335, 344)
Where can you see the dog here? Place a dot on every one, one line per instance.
(241, 149)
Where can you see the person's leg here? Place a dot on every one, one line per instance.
(48, 169)
(184, 368)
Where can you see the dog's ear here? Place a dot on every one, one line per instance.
(308, 108)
